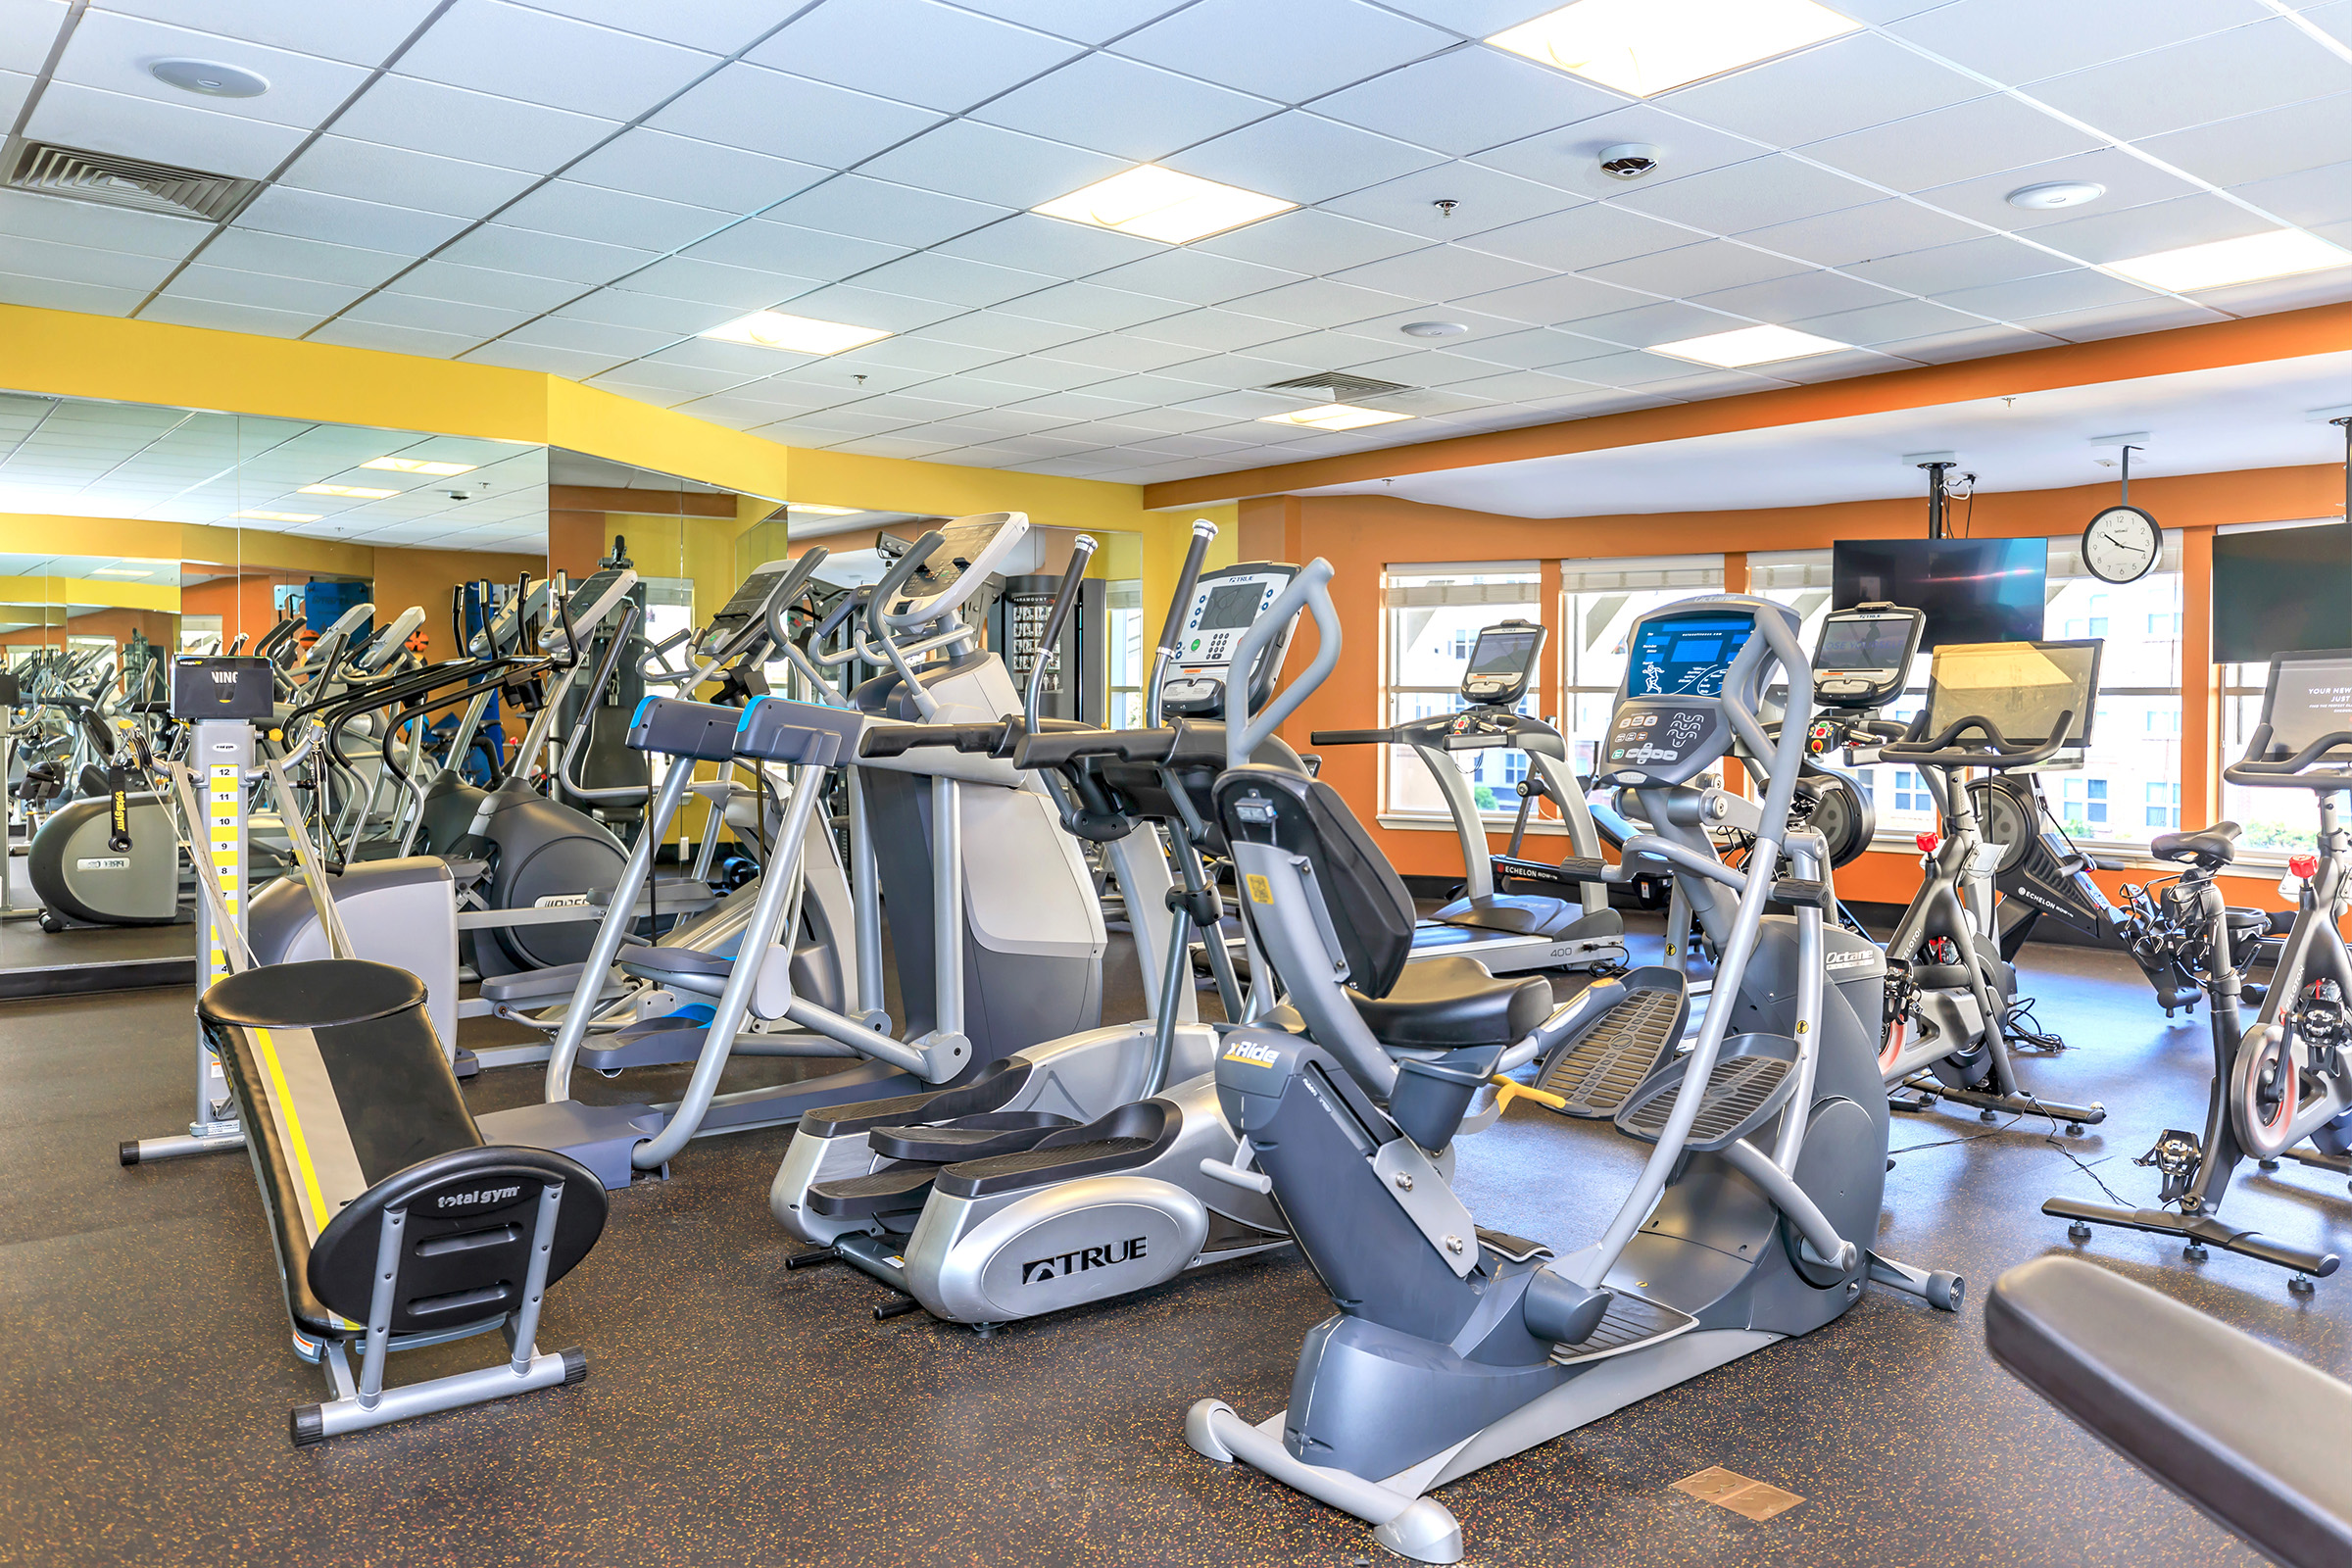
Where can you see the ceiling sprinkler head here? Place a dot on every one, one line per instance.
(1629, 160)
(1444, 206)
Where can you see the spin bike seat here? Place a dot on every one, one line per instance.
(2209, 847)
(1454, 1001)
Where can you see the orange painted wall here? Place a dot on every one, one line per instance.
(428, 577)
(1361, 535)
(244, 604)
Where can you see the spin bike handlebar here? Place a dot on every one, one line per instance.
(1994, 750)
(2291, 771)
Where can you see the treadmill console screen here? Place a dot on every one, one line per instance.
(2021, 687)
(1864, 656)
(1686, 655)
(1503, 662)
(2310, 696)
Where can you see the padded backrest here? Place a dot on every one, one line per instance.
(1371, 913)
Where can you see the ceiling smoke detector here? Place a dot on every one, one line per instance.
(209, 78)
(2055, 193)
(1432, 330)
(1629, 160)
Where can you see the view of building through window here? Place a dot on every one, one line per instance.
(1435, 615)
(1123, 633)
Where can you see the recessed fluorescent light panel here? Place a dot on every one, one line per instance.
(120, 572)
(1334, 416)
(279, 516)
(2248, 259)
(1644, 47)
(822, 511)
(439, 471)
(354, 492)
(795, 334)
(1751, 345)
(1155, 203)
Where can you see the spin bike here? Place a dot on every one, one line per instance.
(1953, 1005)
(1455, 1346)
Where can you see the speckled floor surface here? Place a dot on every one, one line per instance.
(736, 1414)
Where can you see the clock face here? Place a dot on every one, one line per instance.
(2120, 544)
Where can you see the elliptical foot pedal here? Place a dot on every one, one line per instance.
(1753, 1076)
(1596, 1069)
(893, 1190)
(998, 1132)
(1631, 1322)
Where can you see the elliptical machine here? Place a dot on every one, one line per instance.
(1572, 926)
(1454, 1347)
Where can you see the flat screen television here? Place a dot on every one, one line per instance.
(1973, 590)
(2281, 591)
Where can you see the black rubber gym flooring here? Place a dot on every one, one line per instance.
(735, 1413)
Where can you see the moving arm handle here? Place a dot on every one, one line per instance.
(1065, 599)
(897, 740)
(1059, 750)
(1311, 588)
(1172, 634)
(1354, 737)
(780, 602)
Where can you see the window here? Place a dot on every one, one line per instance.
(2133, 760)
(1435, 614)
(2274, 823)
(2161, 625)
(1123, 614)
(2161, 721)
(1911, 791)
(2085, 806)
(2164, 806)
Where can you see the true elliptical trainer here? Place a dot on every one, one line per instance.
(1454, 1347)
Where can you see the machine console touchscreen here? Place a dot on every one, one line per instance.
(2310, 697)
(1503, 662)
(1864, 656)
(2021, 687)
(1686, 655)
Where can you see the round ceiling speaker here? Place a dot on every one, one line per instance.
(210, 78)
(2056, 193)
(1432, 330)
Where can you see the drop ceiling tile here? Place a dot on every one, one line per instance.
(1568, 158)
(792, 249)
(338, 166)
(988, 163)
(2019, 41)
(654, 163)
(1009, 334)
(393, 339)
(953, 279)
(1554, 300)
(857, 419)
(1634, 369)
(1483, 200)
(2313, 198)
(919, 53)
(873, 209)
(1701, 269)
(480, 127)
(673, 377)
(2078, 289)
(720, 27)
(2127, 320)
(1438, 368)
(61, 294)
(14, 87)
(1311, 241)
(341, 221)
(1302, 157)
(1535, 348)
(1890, 227)
(1442, 272)
(1879, 325)
(1157, 393)
(1213, 330)
(28, 30)
(1479, 325)
(1771, 190)
(161, 133)
(1124, 108)
(1195, 276)
(226, 285)
(1116, 351)
(740, 362)
(2330, 287)
(991, 424)
(785, 115)
(1321, 351)
(2153, 227)
(113, 228)
(1787, 299)
(611, 216)
(976, 391)
(871, 307)
(657, 314)
(1970, 343)
(1666, 321)
(1468, 99)
(473, 321)
(2130, 182)
(2260, 146)
(109, 51)
(1941, 269)
(1590, 235)
(1945, 146)
(1843, 85)
(1299, 50)
(1086, 21)
(1075, 406)
(1226, 373)
(911, 448)
(524, 250)
(1088, 305)
(1050, 245)
(2234, 73)
(494, 47)
(573, 336)
(1322, 302)
(40, 258)
(221, 317)
(846, 383)
(659, 397)
(480, 285)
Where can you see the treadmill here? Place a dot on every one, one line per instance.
(1572, 926)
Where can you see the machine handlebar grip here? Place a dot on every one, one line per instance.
(1351, 737)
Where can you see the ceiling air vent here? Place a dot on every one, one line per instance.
(127, 182)
(1339, 388)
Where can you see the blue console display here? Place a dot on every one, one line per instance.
(1684, 655)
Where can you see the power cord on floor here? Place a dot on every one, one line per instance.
(2022, 1028)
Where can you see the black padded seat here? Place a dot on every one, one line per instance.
(2250, 1435)
(2211, 847)
(312, 995)
(1441, 1003)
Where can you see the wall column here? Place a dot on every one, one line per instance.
(2201, 689)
